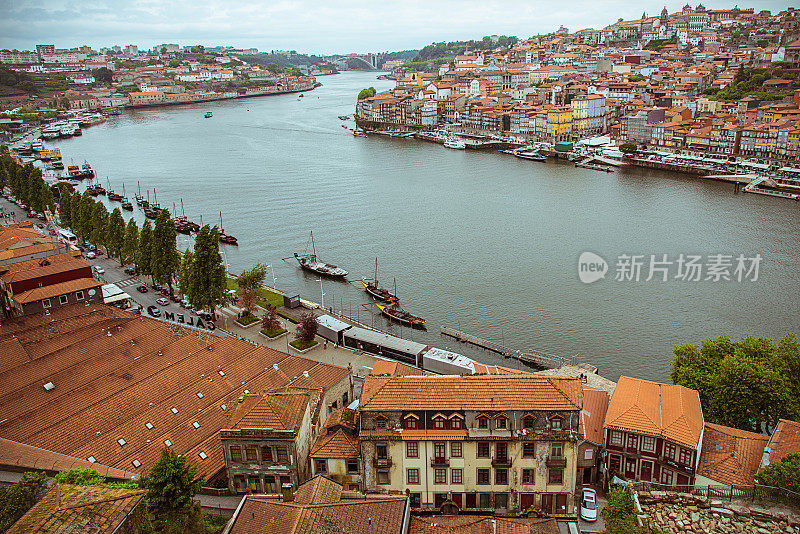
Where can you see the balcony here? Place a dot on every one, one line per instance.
(501, 462)
(382, 462)
(440, 462)
(556, 462)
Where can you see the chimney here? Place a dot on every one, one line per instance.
(288, 493)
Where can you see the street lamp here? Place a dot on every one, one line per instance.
(322, 291)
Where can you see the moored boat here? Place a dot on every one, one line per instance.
(225, 238)
(208, 115)
(394, 311)
(374, 288)
(309, 262)
(455, 143)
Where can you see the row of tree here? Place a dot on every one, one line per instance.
(26, 183)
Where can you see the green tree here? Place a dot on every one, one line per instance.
(628, 148)
(783, 474)
(103, 75)
(86, 221)
(164, 260)
(115, 234)
(171, 484)
(130, 242)
(185, 274)
(145, 246)
(80, 477)
(99, 234)
(207, 279)
(249, 282)
(75, 212)
(366, 93)
(743, 384)
(17, 499)
(620, 513)
(48, 203)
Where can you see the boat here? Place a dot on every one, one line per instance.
(225, 238)
(52, 132)
(140, 201)
(309, 262)
(87, 170)
(394, 311)
(208, 115)
(95, 190)
(66, 131)
(79, 173)
(533, 156)
(111, 194)
(358, 133)
(77, 131)
(344, 117)
(374, 288)
(126, 204)
(455, 143)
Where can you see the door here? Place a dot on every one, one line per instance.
(561, 503)
(547, 503)
(630, 468)
(646, 472)
(587, 475)
(526, 501)
(683, 480)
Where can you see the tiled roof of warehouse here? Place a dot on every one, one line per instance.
(36, 269)
(54, 290)
(37, 262)
(24, 251)
(125, 384)
(281, 410)
(730, 455)
(491, 392)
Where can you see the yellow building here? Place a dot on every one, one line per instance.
(479, 443)
(559, 124)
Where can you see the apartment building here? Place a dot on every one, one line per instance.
(479, 443)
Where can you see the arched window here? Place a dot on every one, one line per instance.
(501, 422)
(380, 422)
(411, 421)
(439, 422)
(528, 422)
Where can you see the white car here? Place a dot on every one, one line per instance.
(99, 270)
(91, 255)
(589, 505)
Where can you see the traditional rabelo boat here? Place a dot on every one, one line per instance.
(374, 288)
(225, 238)
(309, 262)
(394, 311)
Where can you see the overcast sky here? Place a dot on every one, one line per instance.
(310, 26)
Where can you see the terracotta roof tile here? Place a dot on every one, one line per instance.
(669, 411)
(489, 392)
(54, 290)
(730, 455)
(44, 267)
(276, 410)
(24, 251)
(785, 440)
(37, 262)
(318, 490)
(593, 414)
(470, 524)
(338, 436)
(386, 367)
(67, 508)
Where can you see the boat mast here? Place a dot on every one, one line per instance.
(183, 213)
(376, 271)
(221, 229)
(138, 189)
(148, 197)
(313, 247)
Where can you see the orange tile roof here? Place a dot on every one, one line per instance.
(19, 455)
(38, 270)
(24, 251)
(470, 524)
(473, 392)
(37, 262)
(670, 411)
(109, 387)
(54, 290)
(386, 367)
(69, 508)
(338, 436)
(593, 414)
(785, 440)
(318, 490)
(729, 455)
(276, 410)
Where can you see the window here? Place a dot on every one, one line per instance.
(236, 454)
(616, 437)
(669, 450)
(439, 449)
(483, 449)
(266, 454)
(412, 449)
(62, 299)
(486, 500)
(383, 477)
(352, 466)
(440, 476)
(483, 421)
(527, 421)
(456, 422)
(413, 476)
(556, 449)
(501, 451)
(633, 440)
(416, 500)
(438, 422)
(501, 422)
(555, 476)
(456, 449)
(79, 295)
(344, 399)
(649, 444)
(250, 454)
(411, 421)
(456, 476)
(500, 500)
(528, 450)
(685, 456)
(46, 303)
(322, 465)
(528, 476)
(666, 476)
(380, 422)
(282, 454)
(381, 451)
(483, 476)
(555, 423)
(501, 476)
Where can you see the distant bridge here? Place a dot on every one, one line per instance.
(370, 61)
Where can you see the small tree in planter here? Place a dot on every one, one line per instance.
(306, 331)
(270, 324)
(249, 282)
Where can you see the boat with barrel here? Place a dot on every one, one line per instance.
(225, 238)
(375, 290)
(394, 311)
(95, 189)
(81, 172)
(126, 204)
(140, 201)
(116, 197)
(310, 262)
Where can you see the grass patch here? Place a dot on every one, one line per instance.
(246, 320)
(273, 333)
(267, 296)
(213, 522)
(301, 344)
(288, 317)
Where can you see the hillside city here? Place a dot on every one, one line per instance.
(146, 389)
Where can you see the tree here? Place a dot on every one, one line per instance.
(185, 273)
(743, 384)
(249, 282)
(80, 477)
(366, 93)
(620, 513)
(115, 234)
(103, 75)
(75, 212)
(48, 203)
(270, 321)
(85, 223)
(164, 258)
(783, 474)
(307, 328)
(17, 499)
(628, 148)
(130, 242)
(207, 278)
(171, 484)
(99, 234)
(145, 245)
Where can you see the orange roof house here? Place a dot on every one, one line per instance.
(785, 440)
(730, 456)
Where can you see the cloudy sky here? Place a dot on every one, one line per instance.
(312, 26)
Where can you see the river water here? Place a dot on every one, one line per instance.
(481, 242)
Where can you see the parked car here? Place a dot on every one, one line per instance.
(162, 301)
(184, 303)
(154, 311)
(90, 255)
(135, 311)
(142, 289)
(204, 315)
(130, 270)
(156, 287)
(164, 291)
(175, 298)
(99, 270)
(589, 505)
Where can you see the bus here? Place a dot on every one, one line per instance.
(68, 237)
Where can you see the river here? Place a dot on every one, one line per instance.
(481, 242)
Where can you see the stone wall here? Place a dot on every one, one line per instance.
(670, 512)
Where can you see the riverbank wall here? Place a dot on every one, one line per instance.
(224, 97)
